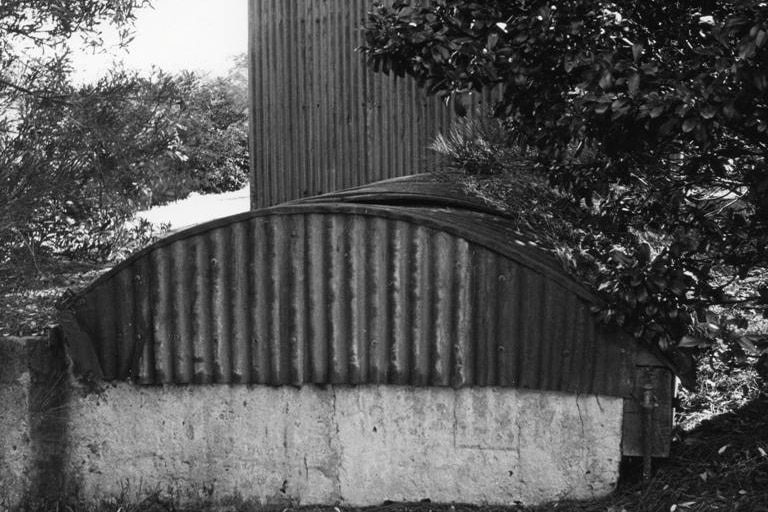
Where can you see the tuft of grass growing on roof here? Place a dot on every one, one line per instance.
(493, 166)
(477, 148)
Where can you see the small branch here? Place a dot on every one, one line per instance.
(730, 302)
(37, 94)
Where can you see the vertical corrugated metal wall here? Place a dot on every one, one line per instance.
(331, 298)
(320, 119)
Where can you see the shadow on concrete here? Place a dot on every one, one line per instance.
(48, 417)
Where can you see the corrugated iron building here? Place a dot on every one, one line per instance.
(320, 119)
(407, 282)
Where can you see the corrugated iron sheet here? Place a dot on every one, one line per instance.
(341, 293)
(320, 119)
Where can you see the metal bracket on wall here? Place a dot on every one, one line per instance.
(649, 404)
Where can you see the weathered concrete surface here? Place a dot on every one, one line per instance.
(34, 389)
(478, 445)
(15, 446)
(213, 442)
(351, 445)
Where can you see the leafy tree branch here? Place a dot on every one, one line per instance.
(651, 118)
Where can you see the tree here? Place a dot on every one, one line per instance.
(77, 161)
(73, 171)
(35, 98)
(35, 40)
(213, 132)
(650, 117)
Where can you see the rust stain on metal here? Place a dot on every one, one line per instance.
(344, 291)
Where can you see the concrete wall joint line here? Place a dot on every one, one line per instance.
(584, 449)
(599, 405)
(455, 416)
(339, 444)
(581, 417)
(518, 444)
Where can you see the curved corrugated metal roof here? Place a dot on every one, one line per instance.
(408, 281)
(418, 198)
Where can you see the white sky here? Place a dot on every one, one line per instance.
(200, 35)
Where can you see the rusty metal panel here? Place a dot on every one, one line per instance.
(348, 294)
(661, 381)
(320, 119)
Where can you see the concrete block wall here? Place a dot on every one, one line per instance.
(310, 445)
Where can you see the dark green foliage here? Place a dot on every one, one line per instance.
(98, 236)
(39, 167)
(35, 38)
(74, 171)
(77, 161)
(214, 132)
(651, 117)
